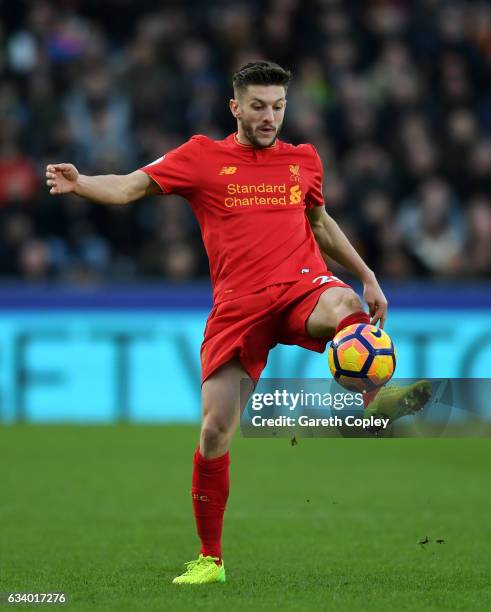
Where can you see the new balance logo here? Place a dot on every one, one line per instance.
(228, 170)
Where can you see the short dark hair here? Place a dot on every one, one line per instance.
(261, 73)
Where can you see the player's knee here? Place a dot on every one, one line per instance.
(339, 304)
(348, 303)
(334, 305)
(214, 435)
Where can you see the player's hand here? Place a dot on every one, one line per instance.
(377, 302)
(61, 178)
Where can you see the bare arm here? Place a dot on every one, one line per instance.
(334, 243)
(105, 189)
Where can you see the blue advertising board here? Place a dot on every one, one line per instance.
(73, 357)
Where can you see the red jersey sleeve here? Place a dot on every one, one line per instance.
(178, 170)
(314, 196)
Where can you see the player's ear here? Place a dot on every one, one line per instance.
(234, 107)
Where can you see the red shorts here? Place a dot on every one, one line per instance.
(250, 326)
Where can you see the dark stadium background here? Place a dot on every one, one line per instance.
(395, 95)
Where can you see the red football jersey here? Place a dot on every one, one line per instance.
(250, 204)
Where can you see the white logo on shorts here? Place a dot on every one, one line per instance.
(325, 279)
(304, 270)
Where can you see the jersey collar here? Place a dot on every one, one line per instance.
(235, 139)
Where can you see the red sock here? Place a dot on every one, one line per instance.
(210, 493)
(354, 317)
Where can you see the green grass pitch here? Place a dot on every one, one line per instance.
(104, 514)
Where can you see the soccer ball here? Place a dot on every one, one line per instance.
(362, 357)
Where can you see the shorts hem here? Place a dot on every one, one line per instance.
(254, 376)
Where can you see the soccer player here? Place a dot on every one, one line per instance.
(263, 220)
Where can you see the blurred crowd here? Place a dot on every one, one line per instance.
(395, 94)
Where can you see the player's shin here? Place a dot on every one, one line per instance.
(210, 491)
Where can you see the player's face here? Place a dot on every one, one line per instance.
(259, 111)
